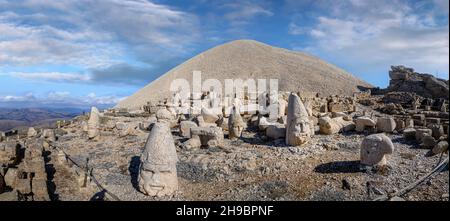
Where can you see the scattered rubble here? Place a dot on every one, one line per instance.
(303, 147)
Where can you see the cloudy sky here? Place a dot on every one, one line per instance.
(96, 52)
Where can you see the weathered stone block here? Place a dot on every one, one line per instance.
(185, 128)
(386, 124)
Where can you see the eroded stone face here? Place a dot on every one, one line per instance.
(235, 124)
(157, 180)
(158, 173)
(374, 149)
(298, 129)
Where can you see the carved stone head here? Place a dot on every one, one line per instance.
(158, 173)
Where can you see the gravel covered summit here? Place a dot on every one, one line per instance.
(245, 59)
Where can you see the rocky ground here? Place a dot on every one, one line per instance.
(327, 168)
(98, 156)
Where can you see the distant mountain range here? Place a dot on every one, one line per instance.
(11, 118)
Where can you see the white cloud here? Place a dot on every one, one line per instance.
(53, 76)
(372, 35)
(91, 34)
(244, 11)
(295, 29)
(58, 99)
(92, 98)
(15, 98)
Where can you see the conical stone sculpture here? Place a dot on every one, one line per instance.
(158, 172)
(93, 123)
(298, 128)
(235, 124)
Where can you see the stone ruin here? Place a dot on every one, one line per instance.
(421, 115)
(404, 79)
(23, 169)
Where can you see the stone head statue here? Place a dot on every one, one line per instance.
(298, 128)
(158, 172)
(235, 124)
(374, 148)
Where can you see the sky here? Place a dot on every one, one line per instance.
(81, 53)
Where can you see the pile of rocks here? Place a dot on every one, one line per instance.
(404, 79)
(23, 169)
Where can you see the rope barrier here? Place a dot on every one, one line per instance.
(440, 167)
(87, 172)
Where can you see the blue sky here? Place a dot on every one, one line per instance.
(88, 52)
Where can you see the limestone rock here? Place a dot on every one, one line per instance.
(421, 132)
(185, 128)
(84, 126)
(164, 115)
(298, 128)
(148, 124)
(386, 124)
(39, 189)
(49, 135)
(282, 107)
(9, 152)
(399, 124)
(426, 85)
(409, 123)
(158, 172)
(9, 196)
(223, 123)
(202, 123)
(130, 129)
(31, 132)
(335, 125)
(374, 149)
(440, 147)
(209, 136)
(409, 133)
(428, 141)
(34, 149)
(437, 131)
(192, 143)
(121, 125)
(363, 123)
(340, 114)
(209, 116)
(263, 123)
(276, 131)
(23, 186)
(10, 177)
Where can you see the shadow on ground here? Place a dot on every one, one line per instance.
(133, 168)
(339, 167)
